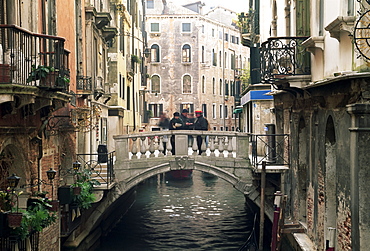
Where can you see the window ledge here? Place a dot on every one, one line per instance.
(186, 63)
(314, 43)
(341, 25)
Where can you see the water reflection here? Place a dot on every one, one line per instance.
(197, 214)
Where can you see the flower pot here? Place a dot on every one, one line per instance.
(50, 80)
(14, 219)
(54, 206)
(4, 73)
(77, 190)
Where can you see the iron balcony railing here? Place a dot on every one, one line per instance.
(101, 165)
(22, 50)
(284, 56)
(270, 148)
(84, 83)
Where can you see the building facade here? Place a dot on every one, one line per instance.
(314, 56)
(195, 63)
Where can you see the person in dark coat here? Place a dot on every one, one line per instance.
(176, 123)
(189, 124)
(164, 123)
(200, 123)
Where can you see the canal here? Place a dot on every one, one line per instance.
(202, 213)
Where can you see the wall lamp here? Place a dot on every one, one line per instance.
(13, 181)
(49, 173)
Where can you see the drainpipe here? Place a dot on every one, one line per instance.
(38, 140)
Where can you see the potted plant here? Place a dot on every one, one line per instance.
(62, 82)
(86, 183)
(39, 72)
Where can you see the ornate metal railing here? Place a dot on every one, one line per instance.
(270, 148)
(84, 83)
(21, 49)
(101, 165)
(284, 56)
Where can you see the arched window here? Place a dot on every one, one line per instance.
(214, 57)
(221, 86)
(203, 84)
(214, 86)
(186, 53)
(154, 53)
(156, 84)
(186, 84)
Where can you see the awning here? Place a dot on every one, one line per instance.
(238, 110)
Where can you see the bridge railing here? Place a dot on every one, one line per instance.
(156, 144)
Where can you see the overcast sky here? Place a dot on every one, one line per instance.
(234, 5)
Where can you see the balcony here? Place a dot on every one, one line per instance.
(282, 57)
(23, 53)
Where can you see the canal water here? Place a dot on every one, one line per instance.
(202, 213)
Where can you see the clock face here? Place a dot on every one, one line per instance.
(362, 35)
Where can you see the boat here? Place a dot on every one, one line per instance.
(180, 174)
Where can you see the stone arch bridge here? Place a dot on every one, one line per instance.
(226, 155)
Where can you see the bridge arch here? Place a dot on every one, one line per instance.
(138, 176)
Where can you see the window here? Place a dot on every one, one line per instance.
(186, 84)
(214, 57)
(214, 86)
(203, 28)
(226, 113)
(204, 109)
(220, 34)
(154, 53)
(220, 58)
(226, 87)
(226, 37)
(186, 27)
(157, 109)
(150, 4)
(154, 27)
(220, 87)
(232, 61)
(233, 39)
(203, 84)
(221, 111)
(225, 60)
(188, 106)
(232, 88)
(156, 84)
(213, 32)
(214, 111)
(202, 54)
(186, 54)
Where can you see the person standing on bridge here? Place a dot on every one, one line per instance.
(188, 124)
(200, 123)
(176, 123)
(164, 123)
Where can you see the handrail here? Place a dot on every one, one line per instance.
(95, 162)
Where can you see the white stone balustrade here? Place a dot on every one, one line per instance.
(151, 144)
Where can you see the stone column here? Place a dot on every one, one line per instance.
(360, 173)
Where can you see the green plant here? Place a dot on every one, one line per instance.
(39, 72)
(135, 59)
(84, 180)
(62, 81)
(9, 200)
(35, 218)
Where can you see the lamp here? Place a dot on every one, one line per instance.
(13, 181)
(51, 174)
(76, 165)
(146, 52)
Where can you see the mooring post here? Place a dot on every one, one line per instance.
(262, 209)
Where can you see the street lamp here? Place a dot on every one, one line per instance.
(13, 181)
(76, 165)
(51, 174)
